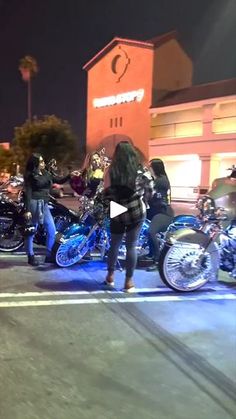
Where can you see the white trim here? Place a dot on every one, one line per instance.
(192, 104)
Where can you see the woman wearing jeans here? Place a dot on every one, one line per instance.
(126, 183)
(37, 185)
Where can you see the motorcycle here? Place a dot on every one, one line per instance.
(92, 237)
(12, 186)
(12, 222)
(191, 257)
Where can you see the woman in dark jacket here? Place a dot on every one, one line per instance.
(160, 212)
(37, 185)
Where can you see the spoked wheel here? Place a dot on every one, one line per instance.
(187, 267)
(70, 251)
(11, 238)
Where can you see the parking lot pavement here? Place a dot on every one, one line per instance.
(71, 348)
(17, 275)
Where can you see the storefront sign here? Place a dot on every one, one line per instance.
(134, 96)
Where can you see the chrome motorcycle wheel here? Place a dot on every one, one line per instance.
(11, 238)
(187, 267)
(71, 251)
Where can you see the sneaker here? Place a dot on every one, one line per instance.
(109, 281)
(109, 284)
(129, 290)
(129, 285)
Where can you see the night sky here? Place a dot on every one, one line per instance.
(64, 34)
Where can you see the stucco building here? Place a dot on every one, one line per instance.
(143, 91)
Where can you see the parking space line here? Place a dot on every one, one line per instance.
(126, 299)
(112, 291)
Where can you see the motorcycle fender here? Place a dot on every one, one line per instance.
(186, 221)
(72, 231)
(187, 235)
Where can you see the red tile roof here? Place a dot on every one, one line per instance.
(198, 92)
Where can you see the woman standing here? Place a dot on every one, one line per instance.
(126, 184)
(160, 212)
(89, 177)
(37, 185)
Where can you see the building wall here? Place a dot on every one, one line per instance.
(128, 119)
(182, 123)
(224, 117)
(197, 141)
(172, 69)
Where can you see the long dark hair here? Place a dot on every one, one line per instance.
(32, 164)
(158, 167)
(124, 166)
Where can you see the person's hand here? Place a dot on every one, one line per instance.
(75, 173)
(27, 215)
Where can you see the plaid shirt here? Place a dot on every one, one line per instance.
(136, 202)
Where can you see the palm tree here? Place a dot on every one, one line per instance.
(29, 68)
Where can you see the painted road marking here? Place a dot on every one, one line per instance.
(128, 299)
(65, 293)
(112, 291)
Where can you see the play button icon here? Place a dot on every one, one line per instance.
(116, 209)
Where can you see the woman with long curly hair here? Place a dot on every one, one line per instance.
(89, 177)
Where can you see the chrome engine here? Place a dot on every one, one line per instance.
(228, 249)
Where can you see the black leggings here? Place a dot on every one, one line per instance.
(131, 238)
(159, 224)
